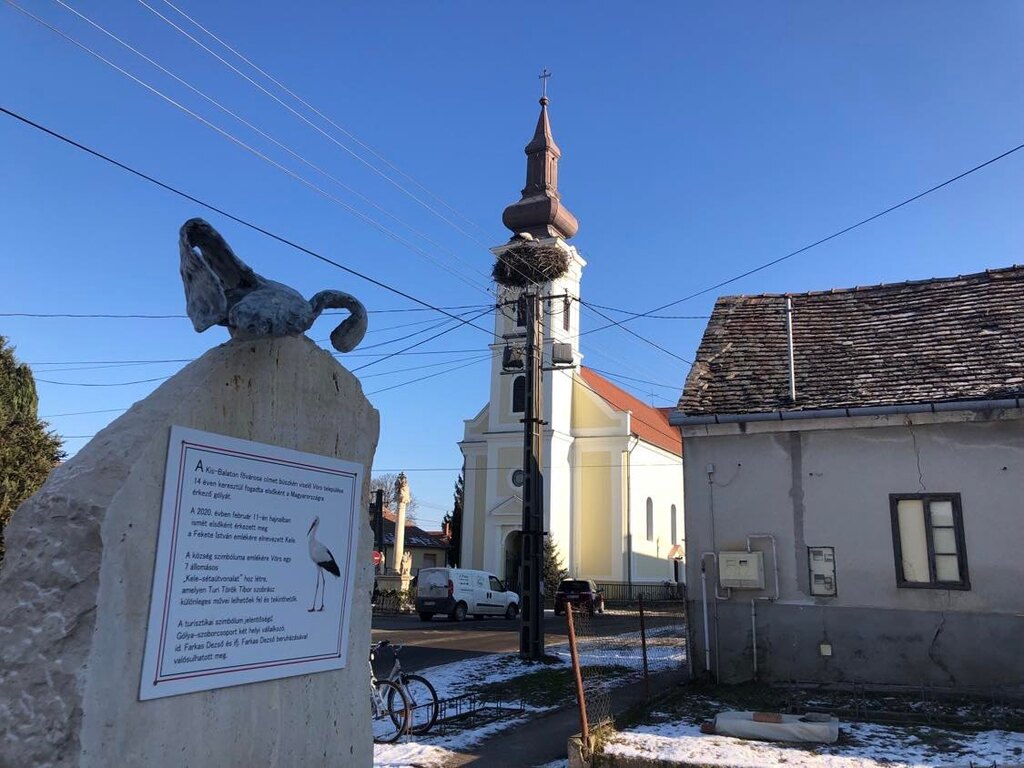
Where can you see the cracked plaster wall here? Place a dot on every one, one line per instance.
(815, 486)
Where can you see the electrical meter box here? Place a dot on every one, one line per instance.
(741, 570)
(822, 566)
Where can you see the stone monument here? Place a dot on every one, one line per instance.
(76, 588)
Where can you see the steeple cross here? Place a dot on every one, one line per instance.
(543, 77)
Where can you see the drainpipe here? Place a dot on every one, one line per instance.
(629, 516)
(704, 599)
(753, 601)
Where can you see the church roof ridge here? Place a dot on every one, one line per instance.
(648, 423)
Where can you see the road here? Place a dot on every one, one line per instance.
(442, 641)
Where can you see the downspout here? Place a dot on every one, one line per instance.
(629, 517)
(753, 601)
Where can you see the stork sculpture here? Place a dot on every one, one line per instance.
(324, 561)
(220, 289)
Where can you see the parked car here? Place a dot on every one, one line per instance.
(457, 592)
(584, 595)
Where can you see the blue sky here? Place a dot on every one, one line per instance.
(698, 141)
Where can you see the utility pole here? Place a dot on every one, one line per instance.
(531, 633)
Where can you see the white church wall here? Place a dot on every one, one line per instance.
(657, 475)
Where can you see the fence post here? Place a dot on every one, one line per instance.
(643, 645)
(574, 655)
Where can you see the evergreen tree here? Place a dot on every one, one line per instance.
(27, 450)
(453, 521)
(553, 571)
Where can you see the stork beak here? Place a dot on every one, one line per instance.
(311, 525)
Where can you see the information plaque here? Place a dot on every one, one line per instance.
(255, 565)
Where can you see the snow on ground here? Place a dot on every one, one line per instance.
(451, 680)
(866, 745)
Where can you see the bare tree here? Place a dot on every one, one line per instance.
(386, 483)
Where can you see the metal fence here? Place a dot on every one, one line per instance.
(649, 636)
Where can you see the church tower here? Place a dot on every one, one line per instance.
(541, 227)
(612, 464)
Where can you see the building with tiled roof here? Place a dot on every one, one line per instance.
(427, 548)
(612, 465)
(855, 462)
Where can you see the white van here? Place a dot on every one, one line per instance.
(457, 592)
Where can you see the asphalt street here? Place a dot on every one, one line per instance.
(441, 641)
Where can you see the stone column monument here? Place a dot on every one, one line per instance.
(77, 588)
(402, 497)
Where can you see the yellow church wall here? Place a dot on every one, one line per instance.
(479, 466)
(507, 459)
(595, 504)
(478, 424)
(587, 410)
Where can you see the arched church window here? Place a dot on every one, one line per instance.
(675, 525)
(650, 519)
(521, 311)
(519, 394)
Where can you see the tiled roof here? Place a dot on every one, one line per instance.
(945, 339)
(648, 423)
(414, 535)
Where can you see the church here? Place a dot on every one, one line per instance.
(612, 465)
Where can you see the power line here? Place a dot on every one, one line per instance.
(320, 114)
(424, 378)
(233, 217)
(816, 243)
(252, 150)
(298, 115)
(110, 316)
(649, 315)
(633, 333)
(106, 384)
(262, 133)
(630, 378)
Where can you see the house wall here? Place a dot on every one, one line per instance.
(827, 483)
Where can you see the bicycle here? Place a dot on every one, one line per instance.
(389, 708)
(420, 694)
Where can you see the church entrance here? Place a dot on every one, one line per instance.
(513, 554)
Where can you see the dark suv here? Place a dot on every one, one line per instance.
(584, 594)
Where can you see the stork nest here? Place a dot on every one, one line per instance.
(530, 264)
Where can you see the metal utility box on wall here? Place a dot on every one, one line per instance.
(822, 566)
(741, 570)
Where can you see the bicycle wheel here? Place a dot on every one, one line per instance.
(390, 712)
(423, 705)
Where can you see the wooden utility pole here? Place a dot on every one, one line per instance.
(531, 633)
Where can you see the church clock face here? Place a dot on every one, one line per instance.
(517, 478)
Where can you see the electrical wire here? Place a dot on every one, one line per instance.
(302, 117)
(252, 150)
(265, 135)
(233, 217)
(108, 316)
(816, 243)
(320, 114)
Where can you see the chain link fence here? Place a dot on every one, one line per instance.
(627, 643)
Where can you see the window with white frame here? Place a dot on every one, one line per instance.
(650, 519)
(928, 540)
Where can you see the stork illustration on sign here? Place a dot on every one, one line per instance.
(324, 561)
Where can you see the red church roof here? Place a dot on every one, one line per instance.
(648, 423)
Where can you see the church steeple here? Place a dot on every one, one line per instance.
(540, 212)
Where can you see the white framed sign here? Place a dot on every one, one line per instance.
(255, 565)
